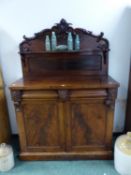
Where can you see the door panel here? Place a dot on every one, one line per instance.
(42, 125)
(87, 124)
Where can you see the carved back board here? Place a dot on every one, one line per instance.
(91, 59)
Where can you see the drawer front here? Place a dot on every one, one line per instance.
(67, 95)
(43, 94)
(87, 93)
(63, 94)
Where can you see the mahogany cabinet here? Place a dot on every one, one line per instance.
(65, 101)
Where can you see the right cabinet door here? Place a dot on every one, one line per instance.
(89, 125)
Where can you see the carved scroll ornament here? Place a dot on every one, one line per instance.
(61, 29)
(16, 96)
(110, 101)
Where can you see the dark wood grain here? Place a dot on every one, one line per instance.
(65, 101)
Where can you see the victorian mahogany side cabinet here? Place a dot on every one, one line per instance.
(65, 101)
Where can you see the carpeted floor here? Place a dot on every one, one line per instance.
(88, 167)
(85, 167)
(62, 168)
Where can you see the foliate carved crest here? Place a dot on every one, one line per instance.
(63, 26)
(87, 38)
(16, 97)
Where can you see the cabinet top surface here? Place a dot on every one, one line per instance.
(58, 82)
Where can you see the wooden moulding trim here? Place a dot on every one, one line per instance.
(66, 156)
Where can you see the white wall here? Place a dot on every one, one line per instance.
(19, 17)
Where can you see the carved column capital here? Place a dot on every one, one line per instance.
(112, 93)
(110, 101)
(63, 94)
(16, 97)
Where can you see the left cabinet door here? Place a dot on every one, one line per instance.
(41, 124)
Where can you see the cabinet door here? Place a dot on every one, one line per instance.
(88, 127)
(42, 125)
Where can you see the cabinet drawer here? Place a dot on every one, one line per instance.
(87, 93)
(46, 94)
(53, 94)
